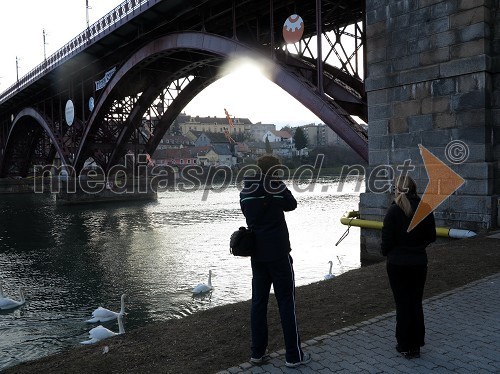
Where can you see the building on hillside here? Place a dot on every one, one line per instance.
(257, 148)
(210, 155)
(321, 135)
(175, 141)
(242, 150)
(175, 128)
(207, 138)
(313, 134)
(329, 137)
(179, 156)
(281, 149)
(193, 135)
(213, 124)
(258, 130)
(278, 136)
(218, 155)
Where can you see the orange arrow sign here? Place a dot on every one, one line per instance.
(442, 183)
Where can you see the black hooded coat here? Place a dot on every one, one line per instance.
(263, 202)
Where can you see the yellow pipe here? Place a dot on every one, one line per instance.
(352, 219)
(443, 231)
(362, 223)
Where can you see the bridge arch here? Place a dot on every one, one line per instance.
(222, 48)
(29, 128)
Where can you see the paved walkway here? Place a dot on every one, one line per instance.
(462, 336)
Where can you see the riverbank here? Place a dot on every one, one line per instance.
(216, 339)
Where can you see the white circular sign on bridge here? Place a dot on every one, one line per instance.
(91, 104)
(293, 29)
(69, 112)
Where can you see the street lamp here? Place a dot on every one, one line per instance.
(44, 44)
(87, 7)
(17, 69)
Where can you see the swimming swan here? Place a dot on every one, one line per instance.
(100, 333)
(202, 287)
(330, 275)
(103, 315)
(7, 303)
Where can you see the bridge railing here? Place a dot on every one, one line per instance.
(125, 11)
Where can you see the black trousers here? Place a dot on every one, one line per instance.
(280, 274)
(407, 284)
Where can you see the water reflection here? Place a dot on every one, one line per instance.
(72, 259)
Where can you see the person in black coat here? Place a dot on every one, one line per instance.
(263, 200)
(407, 264)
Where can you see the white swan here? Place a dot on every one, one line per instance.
(103, 315)
(100, 333)
(202, 287)
(7, 303)
(330, 275)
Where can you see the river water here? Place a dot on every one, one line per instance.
(72, 259)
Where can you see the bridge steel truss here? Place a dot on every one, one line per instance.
(156, 56)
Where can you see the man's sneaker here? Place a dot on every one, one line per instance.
(258, 361)
(305, 360)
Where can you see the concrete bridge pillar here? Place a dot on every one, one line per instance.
(433, 79)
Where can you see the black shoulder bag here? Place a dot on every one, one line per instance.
(242, 241)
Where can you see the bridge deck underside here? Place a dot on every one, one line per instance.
(117, 127)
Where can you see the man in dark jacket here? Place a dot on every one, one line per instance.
(407, 264)
(263, 200)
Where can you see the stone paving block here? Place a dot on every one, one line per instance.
(343, 371)
(366, 367)
(425, 363)
(366, 354)
(459, 339)
(464, 366)
(491, 351)
(492, 368)
(275, 370)
(354, 358)
(277, 361)
(322, 337)
(325, 371)
(316, 349)
(348, 366)
(257, 370)
(246, 365)
(402, 368)
(314, 365)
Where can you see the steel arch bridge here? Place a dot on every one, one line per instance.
(130, 74)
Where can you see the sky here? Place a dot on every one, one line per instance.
(245, 93)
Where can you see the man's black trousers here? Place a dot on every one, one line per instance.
(280, 274)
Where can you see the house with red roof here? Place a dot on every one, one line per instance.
(278, 136)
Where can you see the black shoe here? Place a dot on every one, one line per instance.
(401, 350)
(414, 353)
(408, 353)
(259, 360)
